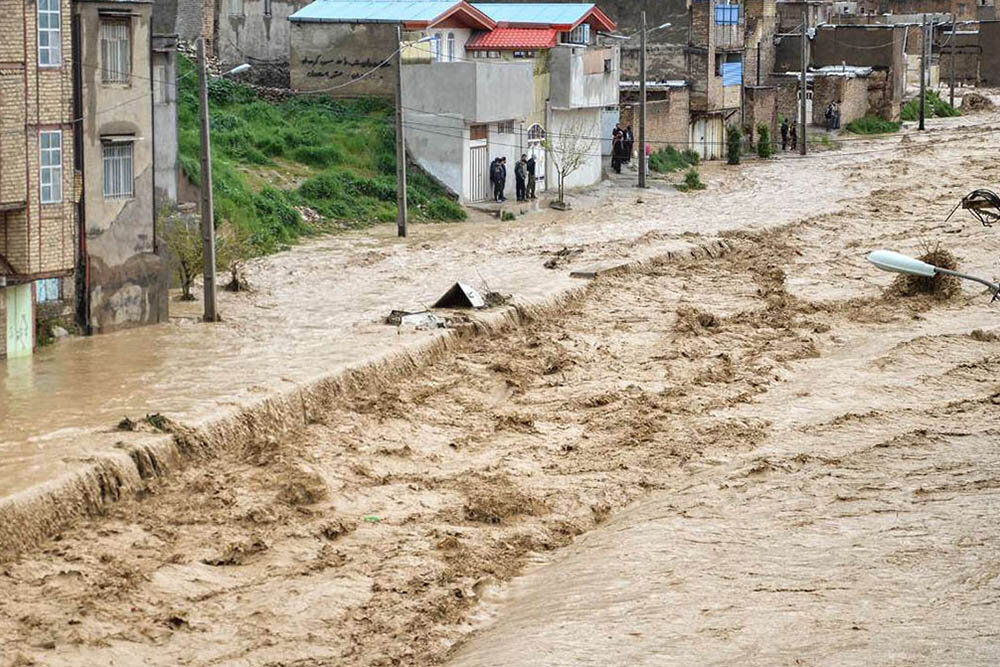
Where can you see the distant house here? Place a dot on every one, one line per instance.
(480, 81)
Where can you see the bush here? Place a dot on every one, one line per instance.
(733, 136)
(670, 159)
(872, 125)
(692, 181)
(318, 156)
(442, 208)
(934, 106)
(764, 147)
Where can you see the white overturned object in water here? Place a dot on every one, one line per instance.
(887, 260)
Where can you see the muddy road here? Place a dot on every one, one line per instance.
(761, 454)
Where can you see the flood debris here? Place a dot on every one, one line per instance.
(419, 321)
(461, 295)
(940, 286)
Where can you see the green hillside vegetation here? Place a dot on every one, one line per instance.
(934, 106)
(336, 157)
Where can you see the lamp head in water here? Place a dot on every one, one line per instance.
(887, 260)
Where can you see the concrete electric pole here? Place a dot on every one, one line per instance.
(923, 69)
(400, 140)
(207, 206)
(803, 85)
(951, 73)
(642, 104)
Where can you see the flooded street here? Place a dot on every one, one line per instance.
(751, 450)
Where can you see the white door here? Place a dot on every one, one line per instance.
(19, 321)
(609, 118)
(698, 136)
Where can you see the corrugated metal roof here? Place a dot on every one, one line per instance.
(535, 12)
(372, 11)
(518, 39)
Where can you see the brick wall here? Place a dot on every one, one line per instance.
(989, 66)
(667, 119)
(760, 105)
(965, 49)
(851, 95)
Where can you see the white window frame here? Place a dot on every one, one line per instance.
(505, 127)
(50, 167)
(536, 135)
(118, 160)
(451, 47)
(50, 53)
(236, 8)
(116, 51)
(578, 35)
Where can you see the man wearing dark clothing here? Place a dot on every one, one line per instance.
(784, 134)
(520, 174)
(501, 183)
(795, 137)
(629, 143)
(530, 166)
(617, 148)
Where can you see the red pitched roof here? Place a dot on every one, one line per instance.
(514, 39)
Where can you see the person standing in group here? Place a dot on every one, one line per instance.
(629, 143)
(828, 116)
(648, 152)
(503, 178)
(520, 175)
(794, 136)
(836, 115)
(494, 173)
(530, 167)
(784, 134)
(498, 178)
(617, 147)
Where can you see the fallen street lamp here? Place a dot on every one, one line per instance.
(239, 69)
(887, 260)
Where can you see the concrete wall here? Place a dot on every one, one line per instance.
(260, 40)
(326, 56)
(760, 109)
(566, 125)
(667, 118)
(479, 92)
(579, 79)
(439, 144)
(164, 121)
(126, 277)
(989, 65)
(851, 94)
(964, 48)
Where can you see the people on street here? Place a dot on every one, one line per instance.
(629, 143)
(836, 115)
(498, 177)
(649, 151)
(520, 176)
(794, 136)
(617, 148)
(828, 116)
(530, 166)
(784, 134)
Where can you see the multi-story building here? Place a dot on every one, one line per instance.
(38, 187)
(715, 71)
(480, 81)
(123, 277)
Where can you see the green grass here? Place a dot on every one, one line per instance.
(872, 125)
(934, 106)
(670, 159)
(337, 157)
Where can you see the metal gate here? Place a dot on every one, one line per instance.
(19, 321)
(479, 173)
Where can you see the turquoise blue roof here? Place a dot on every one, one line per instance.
(372, 11)
(547, 13)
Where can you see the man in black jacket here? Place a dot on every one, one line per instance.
(530, 166)
(520, 175)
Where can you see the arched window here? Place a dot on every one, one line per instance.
(536, 134)
(451, 47)
(434, 46)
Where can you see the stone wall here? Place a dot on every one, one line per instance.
(850, 94)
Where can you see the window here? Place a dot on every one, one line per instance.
(536, 134)
(727, 15)
(578, 35)
(524, 54)
(451, 47)
(48, 290)
(50, 158)
(267, 7)
(478, 132)
(49, 34)
(492, 54)
(118, 177)
(116, 52)
(607, 65)
(236, 7)
(505, 127)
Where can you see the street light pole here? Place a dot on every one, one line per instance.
(951, 73)
(400, 141)
(923, 69)
(207, 207)
(642, 104)
(803, 85)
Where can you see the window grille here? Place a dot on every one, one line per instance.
(116, 52)
(118, 177)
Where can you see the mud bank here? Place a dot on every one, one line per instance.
(125, 461)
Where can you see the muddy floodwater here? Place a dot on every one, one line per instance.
(755, 450)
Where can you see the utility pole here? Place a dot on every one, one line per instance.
(951, 73)
(803, 86)
(207, 207)
(642, 104)
(400, 140)
(923, 69)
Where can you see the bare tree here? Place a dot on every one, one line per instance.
(569, 151)
(184, 243)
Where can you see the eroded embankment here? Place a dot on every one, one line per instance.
(126, 461)
(363, 530)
